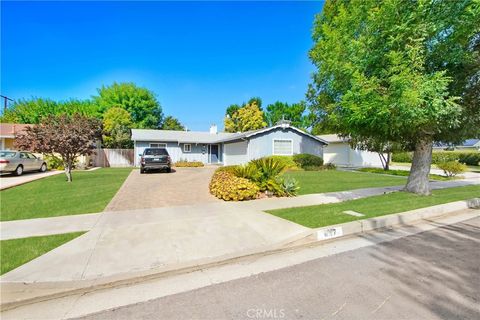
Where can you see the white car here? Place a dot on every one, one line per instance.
(17, 162)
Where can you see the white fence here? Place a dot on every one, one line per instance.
(113, 158)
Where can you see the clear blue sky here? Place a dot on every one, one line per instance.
(198, 57)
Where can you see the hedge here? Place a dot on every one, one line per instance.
(225, 185)
(189, 164)
(471, 158)
(307, 160)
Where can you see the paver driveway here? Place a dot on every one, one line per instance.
(184, 186)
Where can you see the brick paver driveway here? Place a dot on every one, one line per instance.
(184, 186)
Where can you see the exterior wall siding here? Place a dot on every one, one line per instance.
(236, 153)
(341, 154)
(199, 152)
(262, 144)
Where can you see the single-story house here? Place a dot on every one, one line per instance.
(8, 131)
(469, 144)
(339, 152)
(215, 147)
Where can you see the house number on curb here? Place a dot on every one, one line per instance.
(329, 233)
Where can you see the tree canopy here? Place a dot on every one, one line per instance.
(398, 72)
(117, 123)
(295, 112)
(172, 123)
(248, 117)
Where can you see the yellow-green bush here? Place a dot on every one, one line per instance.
(225, 185)
(189, 164)
(452, 168)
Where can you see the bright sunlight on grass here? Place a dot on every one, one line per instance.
(330, 214)
(89, 192)
(336, 180)
(16, 252)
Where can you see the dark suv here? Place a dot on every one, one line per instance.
(155, 159)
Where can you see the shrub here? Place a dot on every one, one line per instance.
(287, 161)
(328, 166)
(189, 164)
(452, 168)
(225, 185)
(230, 169)
(304, 160)
(268, 168)
(402, 157)
(53, 162)
(290, 187)
(247, 171)
(471, 158)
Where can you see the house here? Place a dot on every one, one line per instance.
(469, 144)
(339, 152)
(215, 147)
(8, 131)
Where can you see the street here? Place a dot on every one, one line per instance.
(430, 275)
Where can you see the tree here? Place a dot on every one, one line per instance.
(171, 123)
(294, 112)
(141, 103)
(33, 110)
(117, 123)
(249, 117)
(64, 135)
(386, 71)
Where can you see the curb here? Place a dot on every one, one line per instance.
(40, 292)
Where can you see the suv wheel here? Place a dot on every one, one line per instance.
(43, 168)
(19, 170)
(142, 171)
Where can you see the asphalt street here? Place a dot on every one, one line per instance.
(431, 275)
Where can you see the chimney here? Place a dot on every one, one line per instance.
(213, 129)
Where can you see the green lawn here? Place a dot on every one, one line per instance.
(330, 214)
(89, 192)
(16, 252)
(336, 180)
(404, 173)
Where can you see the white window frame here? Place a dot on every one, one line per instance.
(189, 147)
(157, 145)
(291, 147)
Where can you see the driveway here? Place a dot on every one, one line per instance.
(9, 180)
(183, 186)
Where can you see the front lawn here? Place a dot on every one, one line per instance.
(330, 214)
(89, 192)
(405, 173)
(16, 252)
(336, 180)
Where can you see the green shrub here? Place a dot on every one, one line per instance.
(225, 185)
(328, 166)
(53, 162)
(191, 164)
(290, 187)
(452, 168)
(247, 171)
(287, 161)
(230, 169)
(306, 160)
(471, 158)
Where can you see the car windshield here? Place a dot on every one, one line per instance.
(156, 152)
(7, 154)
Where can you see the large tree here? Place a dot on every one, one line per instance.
(246, 118)
(172, 123)
(294, 112)
(117, 123)
(140, 102)
(63, 135)
(396, 71)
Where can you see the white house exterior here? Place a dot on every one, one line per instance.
(228, 148)
(339, 152)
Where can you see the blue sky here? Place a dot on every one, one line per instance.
(198, 57)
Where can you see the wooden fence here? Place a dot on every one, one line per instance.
(113, 158)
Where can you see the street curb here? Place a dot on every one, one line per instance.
(54, 290)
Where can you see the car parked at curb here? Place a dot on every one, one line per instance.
(155, 159)
(18, 162)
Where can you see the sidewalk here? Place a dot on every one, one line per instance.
(9, 180)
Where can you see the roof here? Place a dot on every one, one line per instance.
(332, 138)
(207, 137)
(9, 130)
(471, 143)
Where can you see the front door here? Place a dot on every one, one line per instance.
(214, 153)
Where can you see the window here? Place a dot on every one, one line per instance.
(31, 156)
(187, 147)
(282, 147)
(23, 155)
(158, 145)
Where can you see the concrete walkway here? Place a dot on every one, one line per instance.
(10, 180)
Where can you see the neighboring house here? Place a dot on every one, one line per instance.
(228, 148)
(8, 131)
(469, 144)
(340, 153)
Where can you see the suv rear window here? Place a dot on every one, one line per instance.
(156, 152)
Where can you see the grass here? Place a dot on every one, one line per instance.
(89, 192)
(336, 180)
(404, 173)
(16, 252)
(434, 166)
(330, 214)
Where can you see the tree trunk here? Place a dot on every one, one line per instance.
(387, 165)
(68, 171)
(385, 161)
(419, 173)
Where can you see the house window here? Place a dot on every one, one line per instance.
(282, 147)
(187, 147)
(158, 145)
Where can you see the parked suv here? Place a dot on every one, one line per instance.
(155, 159)
(17, 162)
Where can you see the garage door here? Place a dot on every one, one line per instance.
(336, 153)
(236, 153)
